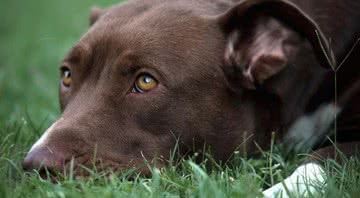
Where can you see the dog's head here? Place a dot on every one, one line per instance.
(149, 74)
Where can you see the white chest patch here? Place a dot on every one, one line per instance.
(306, 180)
(307, 130)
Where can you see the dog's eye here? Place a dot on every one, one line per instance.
(66, 77)
(145, 83)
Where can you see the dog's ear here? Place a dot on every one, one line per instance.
(95, 14)
(263, 36)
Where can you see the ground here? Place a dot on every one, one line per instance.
(34, 36)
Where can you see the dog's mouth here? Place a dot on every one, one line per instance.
(86, 165)
(60, 168)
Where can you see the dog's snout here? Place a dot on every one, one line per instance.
(42, 159)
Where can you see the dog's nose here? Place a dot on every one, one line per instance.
(42, 159)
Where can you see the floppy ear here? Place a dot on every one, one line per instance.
(264, 36)
(95, 14)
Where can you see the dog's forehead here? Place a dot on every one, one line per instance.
(165, 35)
(160, 23)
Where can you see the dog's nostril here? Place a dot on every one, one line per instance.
(42, 158)
(27, 164)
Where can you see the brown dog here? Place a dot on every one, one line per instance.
(222, 73)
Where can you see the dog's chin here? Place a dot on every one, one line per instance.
(85, 167)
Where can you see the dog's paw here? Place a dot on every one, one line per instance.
(306, 180)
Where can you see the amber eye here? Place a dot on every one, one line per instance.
(66, 77)
(145, 83)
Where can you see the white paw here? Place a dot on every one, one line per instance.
(303, 182)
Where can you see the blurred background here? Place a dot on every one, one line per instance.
(34, 36)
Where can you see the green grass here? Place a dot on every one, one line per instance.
(34, 36)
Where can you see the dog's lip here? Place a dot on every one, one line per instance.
(84, 164)
(74, 158)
